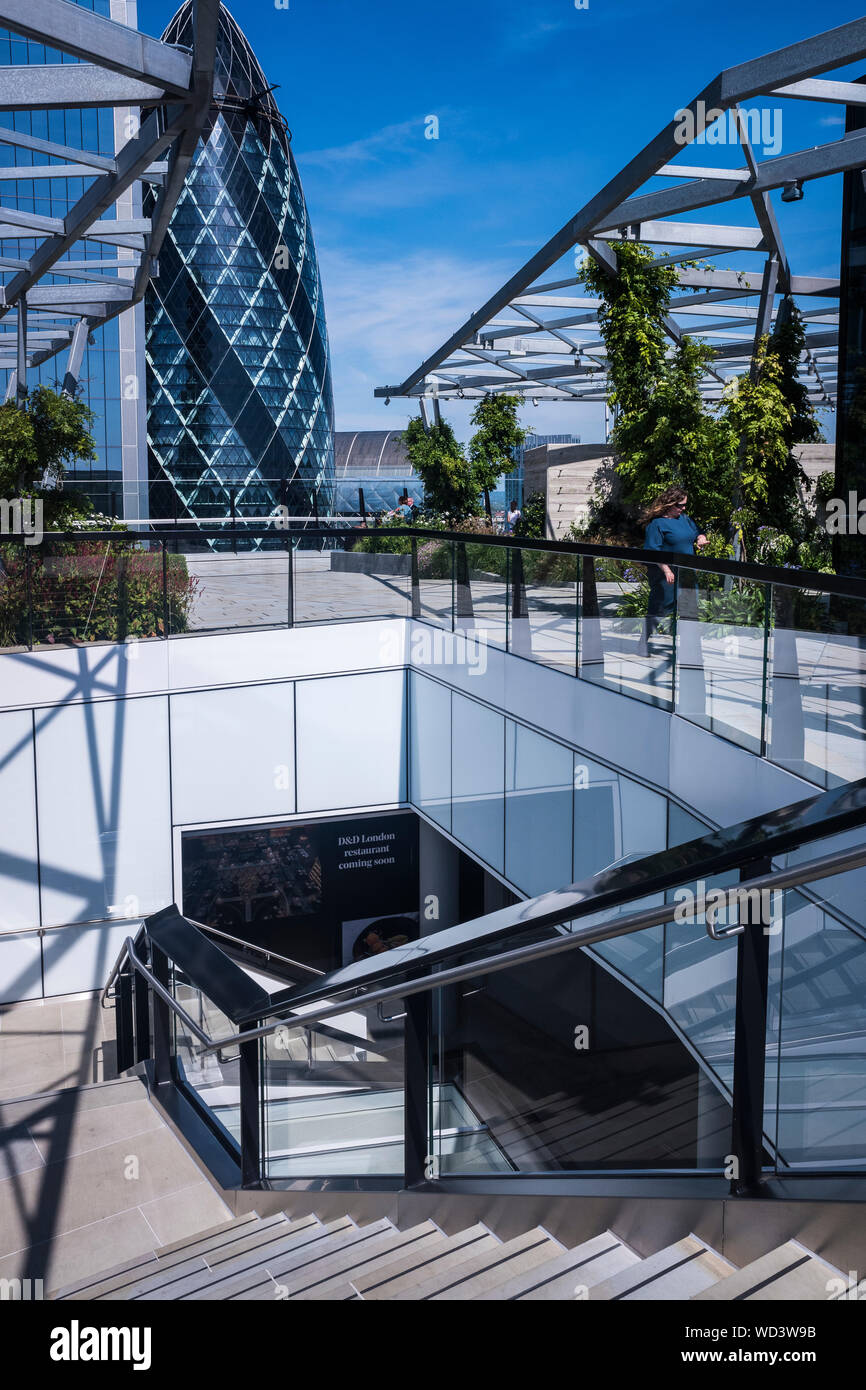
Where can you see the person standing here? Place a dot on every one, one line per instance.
(670, 531)
(511, 518)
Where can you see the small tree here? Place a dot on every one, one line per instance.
(662, 433)
(450, 488)
(497, 435)
(38, 444)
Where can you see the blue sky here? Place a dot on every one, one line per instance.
(538, 104)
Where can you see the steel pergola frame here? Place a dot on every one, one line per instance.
(540, 338)
(116, 67)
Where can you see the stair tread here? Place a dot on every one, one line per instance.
(300, 1243)
(590, 1263)
(790, 1272)
(299, 1269)
(414, 1269)
(334, 1273)
(530, 1251)
(178, 1268)
(681, 1270)
(160, 1257)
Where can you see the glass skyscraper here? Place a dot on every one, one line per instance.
(240, 405)
(111, 365)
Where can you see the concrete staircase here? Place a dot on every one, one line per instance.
(278, 1258)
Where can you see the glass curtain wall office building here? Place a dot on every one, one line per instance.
(113, 361)
(240, 405)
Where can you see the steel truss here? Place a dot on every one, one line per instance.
(539, 338)
(56, 294)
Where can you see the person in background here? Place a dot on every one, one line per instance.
(511, 518)
(669, 530)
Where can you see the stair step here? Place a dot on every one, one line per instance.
(416, 1268)
(682, 1270)
(179, 1268)
(790, 1272)
(590, 1263)
(163, 1258)
(310, 1235)
(300, 1268)
(477, 1277)
(344, 1290)
(330, 1279)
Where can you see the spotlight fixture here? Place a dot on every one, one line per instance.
(793, 191)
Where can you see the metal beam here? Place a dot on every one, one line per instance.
(92, 38)
(31, 142)
(848, 152)
(76, 356)
(154, 136)
(46, 87)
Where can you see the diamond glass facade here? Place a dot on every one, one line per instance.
(240, 405)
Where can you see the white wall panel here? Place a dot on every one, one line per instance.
(104, 813)
(20, 968)
(351, 745)
(430, 744)
(478, 778)
(19, 870)
(78, 959)
(233, 753)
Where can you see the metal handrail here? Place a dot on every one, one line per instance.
(827, 866)
(253, 946)
(128, 952)
(812, 581)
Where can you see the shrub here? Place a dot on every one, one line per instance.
(91, 590)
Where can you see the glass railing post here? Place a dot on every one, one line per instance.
(28, 590)
(141, 1009)
(416, 581)
(464, 612)
(765, 670)
(165, 607)
(589, 618)
(750, 1042)
(674, 640)
(416, 1081)
(290, 561)
(453, 586)
(162, 1049)
(249, 1074)
(521, 637)
(123, 1021)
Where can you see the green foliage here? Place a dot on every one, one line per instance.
(90, 590)
(38, 444)
(662, 433)
(631, 319)
(533, 518)
(450, 487)
(497, 435)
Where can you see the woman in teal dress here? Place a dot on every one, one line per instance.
(669, 530)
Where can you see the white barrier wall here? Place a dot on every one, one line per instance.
(105, 752)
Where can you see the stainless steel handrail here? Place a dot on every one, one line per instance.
(128, 952)
(262, 950)
(826, 866)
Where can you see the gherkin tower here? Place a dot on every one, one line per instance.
(239, 398)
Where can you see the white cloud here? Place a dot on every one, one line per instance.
(385, 318)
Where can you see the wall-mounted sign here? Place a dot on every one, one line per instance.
(323, 892)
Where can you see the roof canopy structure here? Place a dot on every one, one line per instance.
(538, 336)
(55, 294)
